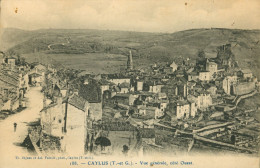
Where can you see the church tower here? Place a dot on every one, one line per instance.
(130, 61)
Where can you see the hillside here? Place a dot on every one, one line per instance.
(146, 47)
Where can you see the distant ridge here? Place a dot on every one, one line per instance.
(146, 47)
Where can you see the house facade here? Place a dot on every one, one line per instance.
(67, 120)
(204, 76)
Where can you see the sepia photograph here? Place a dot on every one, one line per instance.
(129, 83)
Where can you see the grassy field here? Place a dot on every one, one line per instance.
(89, 62)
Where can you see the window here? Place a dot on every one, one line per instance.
(59, 120)
(54, 118)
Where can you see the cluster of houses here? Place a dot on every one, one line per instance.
(179, 91)
(67, 120)
(170, 92)
(13, 84)
(16, 78)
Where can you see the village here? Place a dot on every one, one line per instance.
(174, 107)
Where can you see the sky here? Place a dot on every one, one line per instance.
(130, 15)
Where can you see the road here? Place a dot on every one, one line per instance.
(8, 137)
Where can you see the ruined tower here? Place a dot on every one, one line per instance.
(130, 61)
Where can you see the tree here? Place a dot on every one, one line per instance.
(18, 62)
(23, 61)
(125, 149)
(201, 54)
(103, 142)
(11, 52)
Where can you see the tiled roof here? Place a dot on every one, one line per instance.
(11, 74)
(149, 122)
(173, 64)
(9, 80)
(246, 71)
(49, 106)
(117, 76)
(124, 85)
(122, 95)
(116, 89)
(41, 67)
(35, 75)
(208, 86)
(91, 92)
(217, 114)
(182, 102)
(104, 82)
(194, 73)
(212, 63)
(11, 58)
(162, 94)
(170, 114)
(77, 102)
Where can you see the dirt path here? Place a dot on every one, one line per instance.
(8, 137)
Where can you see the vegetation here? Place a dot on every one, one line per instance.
(146, 48)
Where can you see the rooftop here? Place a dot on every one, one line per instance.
(77, 102)
(91, 92)
(245, 71)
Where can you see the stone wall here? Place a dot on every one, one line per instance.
(244, 88)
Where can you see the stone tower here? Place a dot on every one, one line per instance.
(130, 61)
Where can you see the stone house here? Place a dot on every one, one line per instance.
(183, 109)
(149, 112)
(153, 86)
(204, 76)
(173, 66)
(139, 85)
(245, 73)
(126, 99)
(66, 119)
(35, 78)
(204, 100)
(11, 62)
(211, 88)
(124, 87)
(211, 67)
(167, 70)
(228, 84)
(118, 81)
(193, 76)
(93, 94)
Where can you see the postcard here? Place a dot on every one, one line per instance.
(129, 83)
